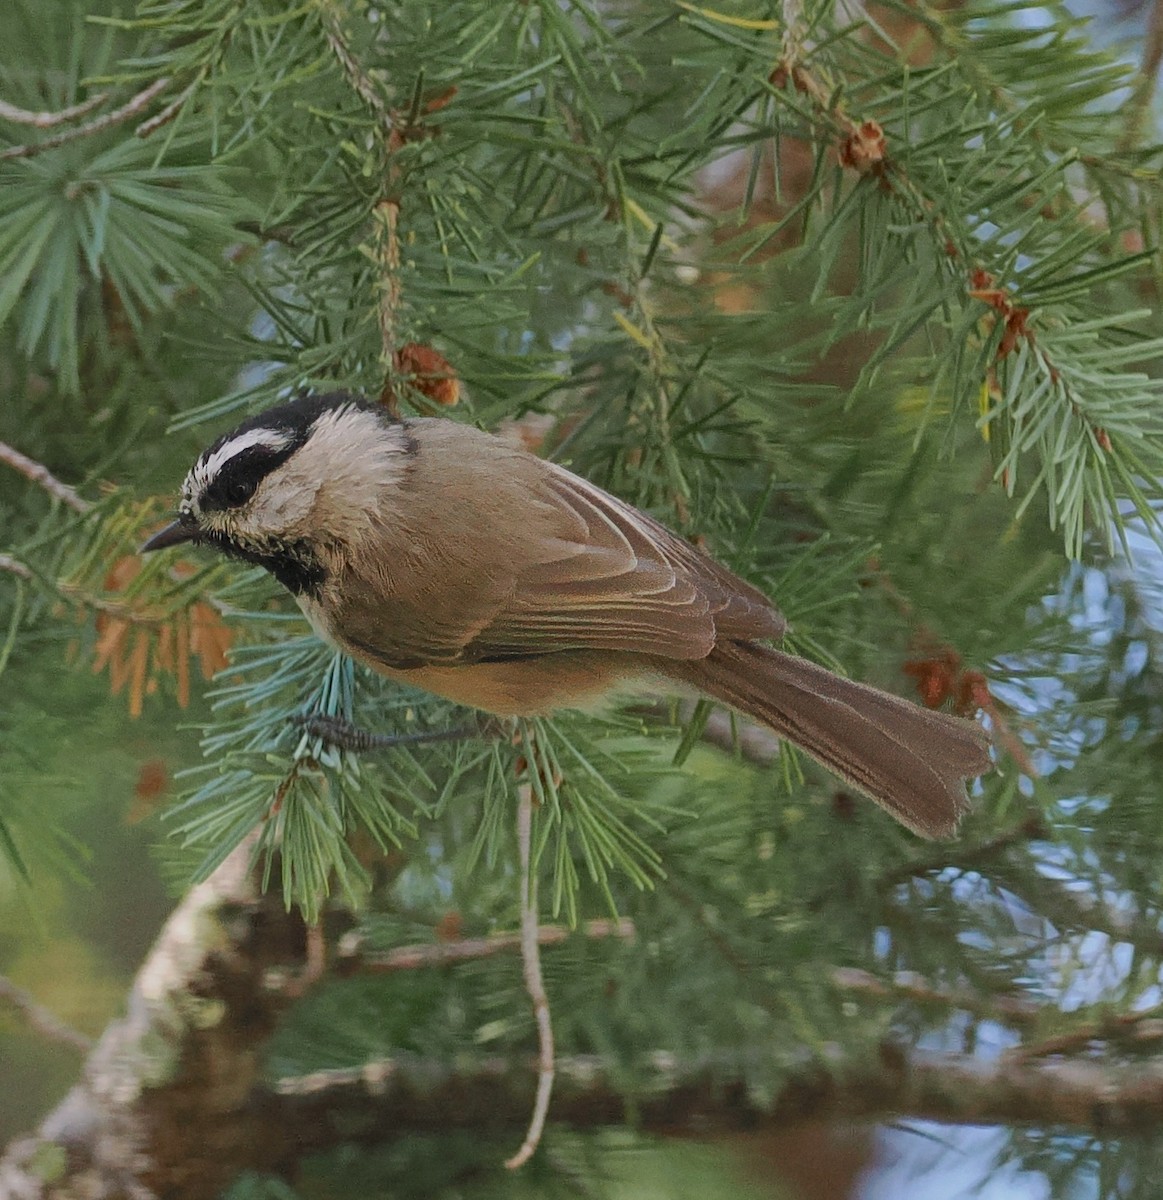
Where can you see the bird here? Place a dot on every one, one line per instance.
(447, 558)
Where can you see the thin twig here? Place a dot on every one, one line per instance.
(40, 1019)
(441, 954)
(386, 216)
(360, 81)
(40, 474)
(792, 42)
(966, 858)
(534, 984)
(908, 985)
(46, 120)
(1135, 1027)
(314, 970)
(1139, 104)
(14, 567)
(171, 110)
(129, 110)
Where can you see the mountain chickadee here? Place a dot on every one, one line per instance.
(450, 560)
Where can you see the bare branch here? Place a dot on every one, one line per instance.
(161, 1106)
(405, 1094)
(46, 120)
(756, 743)
(130, 109)
(723, 730)
(40, 1018)
(40, 474)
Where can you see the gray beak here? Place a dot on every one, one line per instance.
(184, 529)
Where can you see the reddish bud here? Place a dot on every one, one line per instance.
(863, 149)
(936, 675)
(429, 372)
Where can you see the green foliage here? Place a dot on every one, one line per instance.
(103, 212)
(868, 305)
(145, 230)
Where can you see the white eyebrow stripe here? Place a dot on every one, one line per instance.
(206, 469)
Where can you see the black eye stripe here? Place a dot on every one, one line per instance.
(287, 425)
(239, 477)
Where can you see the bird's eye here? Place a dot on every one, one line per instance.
(238, 491)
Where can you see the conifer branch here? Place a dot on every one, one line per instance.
(352, 957)
(1014, 1011)
(130, 109)
(563, 160)
(862, 148)
(39, 474)
(966, 857)
(1129, 1029)
(225, 941)
(956, 1089)
(135, 1129)
(386, 213)
(903, 985)
(358, 78)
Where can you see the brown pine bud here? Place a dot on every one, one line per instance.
(429, 372)
(864, 148)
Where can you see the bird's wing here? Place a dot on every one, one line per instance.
(575, 569)
(620, 581)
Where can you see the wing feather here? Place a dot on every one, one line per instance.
(582, 570)
(631, 585)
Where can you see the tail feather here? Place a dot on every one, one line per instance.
(910, 760)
